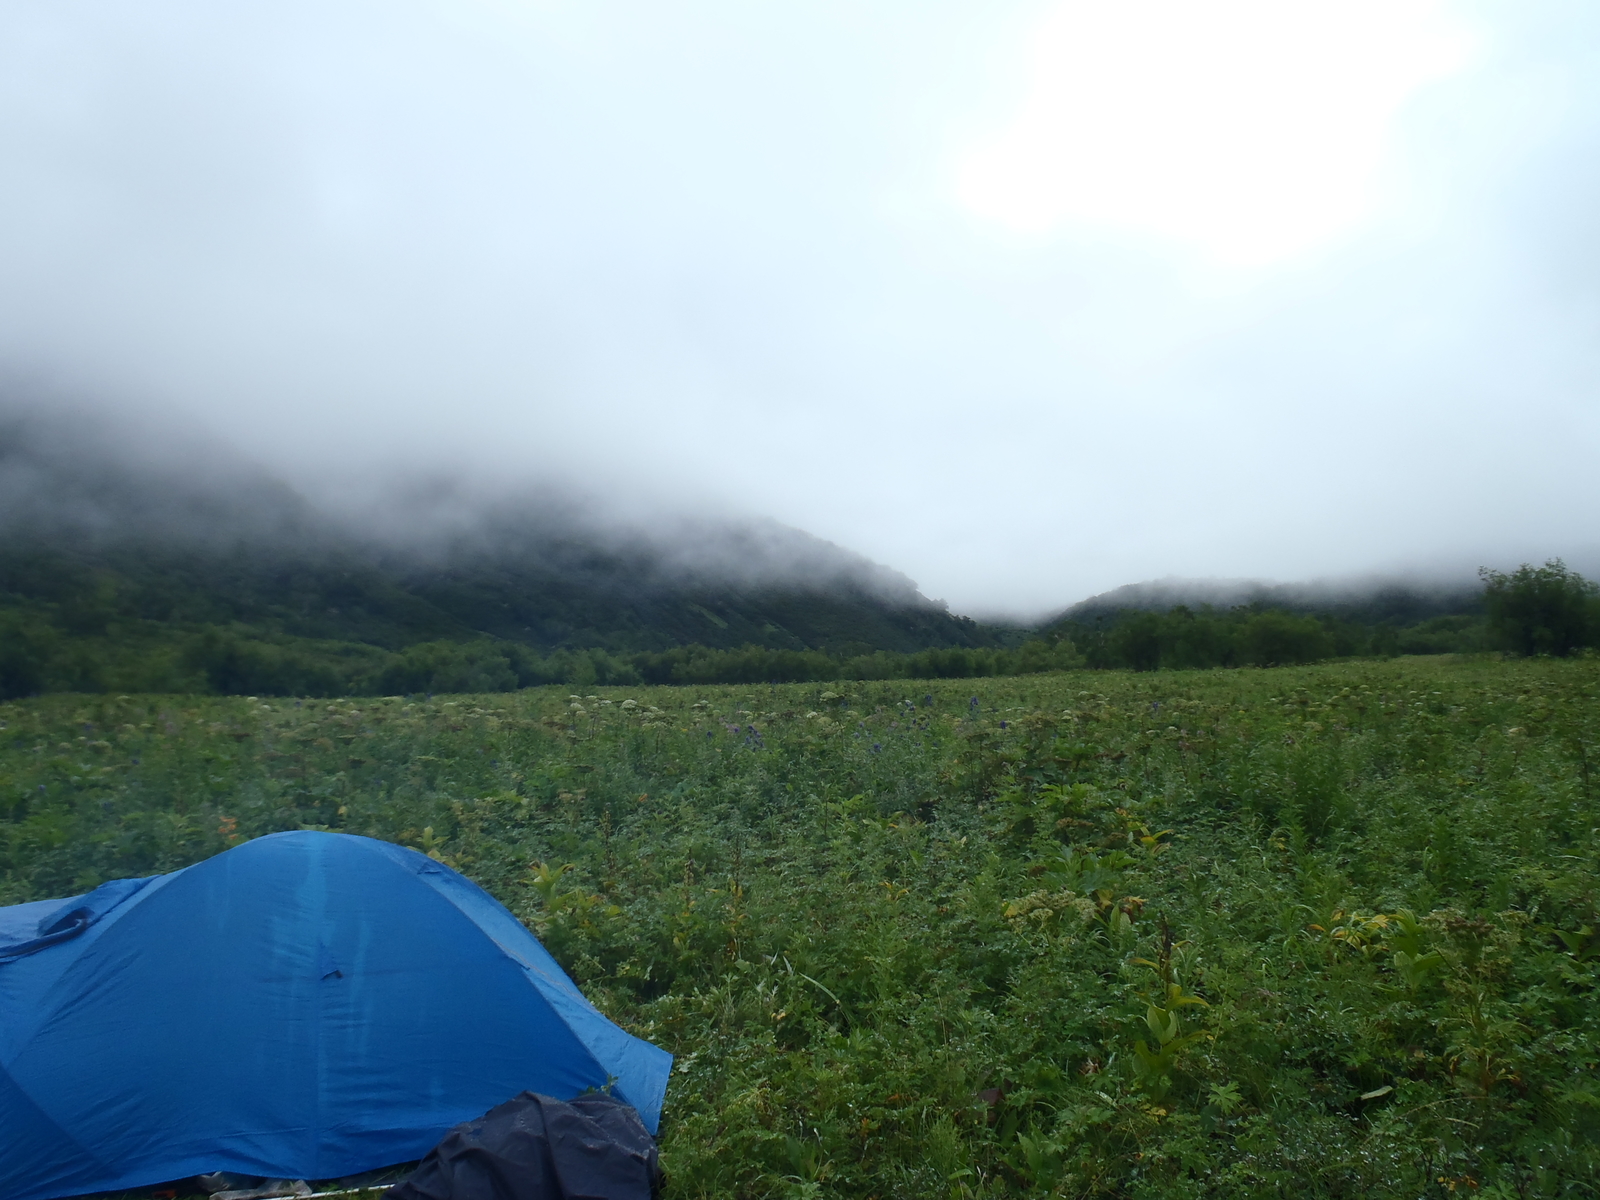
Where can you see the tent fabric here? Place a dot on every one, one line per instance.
(306, 1005)
(59, 920)
(535, 1148)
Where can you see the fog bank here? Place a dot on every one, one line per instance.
(716, 261)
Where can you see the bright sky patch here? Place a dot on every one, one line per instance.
(1248, 129)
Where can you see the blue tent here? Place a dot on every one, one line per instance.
(305, 1005)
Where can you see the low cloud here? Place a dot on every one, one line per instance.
(77, 476)
(711, 262)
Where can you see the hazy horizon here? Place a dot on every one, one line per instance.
(113, 479)
(1027, 302)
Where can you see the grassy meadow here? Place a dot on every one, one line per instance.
(1321, 931)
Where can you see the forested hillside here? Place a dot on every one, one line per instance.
(125, 573)
(1549, 609)
(164, 577)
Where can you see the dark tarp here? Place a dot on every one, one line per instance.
(535, 1148)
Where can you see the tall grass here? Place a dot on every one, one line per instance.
(1328, 931)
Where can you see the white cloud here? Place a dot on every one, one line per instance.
(1250, 129)
(711, 252)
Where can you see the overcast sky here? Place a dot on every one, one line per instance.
(1027, 300)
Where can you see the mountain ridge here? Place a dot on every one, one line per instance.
(92, 533)
(1371, 599)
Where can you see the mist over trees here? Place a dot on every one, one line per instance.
(130, 571)
(124, 569)
(86, 638)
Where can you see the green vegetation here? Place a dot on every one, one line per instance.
(1531, 611)
(107, 632)
(269, 620)
(1326, 930)
(1181, 638)
(138, 622)
(1542, 610)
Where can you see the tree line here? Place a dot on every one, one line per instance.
(1543, 610)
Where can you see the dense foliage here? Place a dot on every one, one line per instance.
(89, 637)
(1182, 638)
(36, 657)
(1325, 931)
(1542, 610)
(313, 618)
(325, 618)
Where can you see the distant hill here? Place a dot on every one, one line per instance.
(1366, 601)
(95, 534)
(137, 559)
(109, 538)
(1185, 623)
